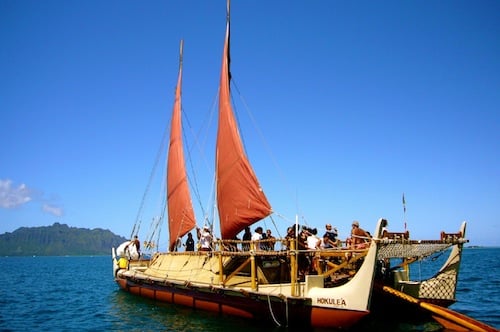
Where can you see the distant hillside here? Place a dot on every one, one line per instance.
(58, 239)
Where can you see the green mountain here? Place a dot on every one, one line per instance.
(58, 240)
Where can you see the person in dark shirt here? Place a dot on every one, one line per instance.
(190, 243)
(137, 245)
(330, 237)
(272, 240)
(290, 236)
(247, 236)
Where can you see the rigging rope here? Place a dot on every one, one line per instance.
(192, 179)
(150, 181)
(200, 142)
(271, 311)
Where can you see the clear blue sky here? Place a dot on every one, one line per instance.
(352, 104)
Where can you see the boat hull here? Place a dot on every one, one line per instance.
(281, 311)
(250, 285)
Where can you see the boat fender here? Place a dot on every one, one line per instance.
(122, 263)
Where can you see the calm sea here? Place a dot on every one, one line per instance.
(78, 293)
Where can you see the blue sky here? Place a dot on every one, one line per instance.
(344, 106)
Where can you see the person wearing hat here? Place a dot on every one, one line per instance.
(359, 237)
(330, 237)
(205, 238)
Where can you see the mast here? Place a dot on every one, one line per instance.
(241, 201)
(180, 210)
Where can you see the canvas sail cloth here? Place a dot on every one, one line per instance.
(181, 217)
(240, 199)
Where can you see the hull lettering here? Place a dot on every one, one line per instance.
(331, 301)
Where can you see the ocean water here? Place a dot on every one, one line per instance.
(78, 293)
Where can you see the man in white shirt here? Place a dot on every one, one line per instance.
(257, 236)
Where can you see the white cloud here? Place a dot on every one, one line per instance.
(56, 211)
(11, 197)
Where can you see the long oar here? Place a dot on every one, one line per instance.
(448, 318)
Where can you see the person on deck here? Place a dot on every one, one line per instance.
(257, 236)
(205, 238)
(178, 244)
(385, 228)
(271, 240)
(247, 236)
(290, 236)
(330, 237)
(313, 241)
(359, 237)
(263, 244)
(137, 244)
(303, 260)
(189, 243)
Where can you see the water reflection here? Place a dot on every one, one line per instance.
(134, 313)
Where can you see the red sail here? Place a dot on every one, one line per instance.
(240, 199)
(180, 210)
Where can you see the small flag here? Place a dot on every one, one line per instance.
(404, 209)
(404, 203)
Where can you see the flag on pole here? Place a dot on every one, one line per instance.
(404, 210)
(404, 203)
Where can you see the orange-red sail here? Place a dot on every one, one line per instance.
(240, 199)
(180, 210)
